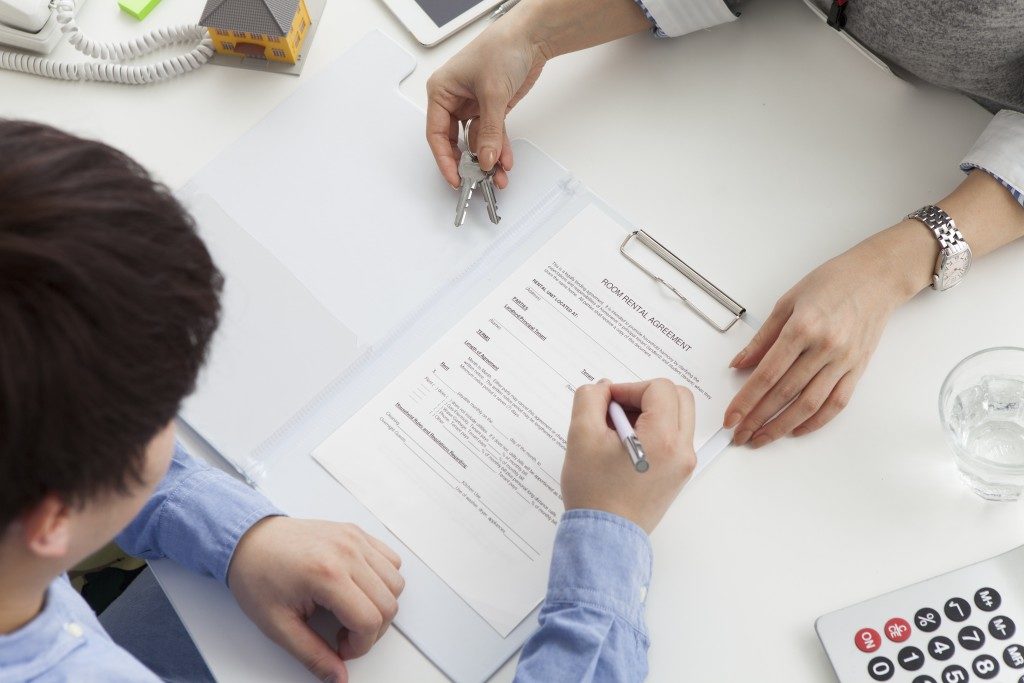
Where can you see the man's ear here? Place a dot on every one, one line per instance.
(46, 528)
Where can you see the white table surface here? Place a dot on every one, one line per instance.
(749, 130)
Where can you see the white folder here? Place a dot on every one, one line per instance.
(342, 265)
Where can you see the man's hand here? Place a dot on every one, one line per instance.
(283, 568)
(599, 475)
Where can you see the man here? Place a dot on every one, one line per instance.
(108, 302)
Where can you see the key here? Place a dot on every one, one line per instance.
(465, 192)
(487, 187)
(469, 171)
(472, 177)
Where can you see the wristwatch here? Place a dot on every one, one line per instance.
(954, 255)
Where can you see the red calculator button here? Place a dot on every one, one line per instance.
(897, 630)
(867, 640)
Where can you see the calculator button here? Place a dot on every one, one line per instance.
(971, 637)
(954, 673)
(941, 648)
(867, 640)
(1013, 655)
(910, 658)
(897, 630)
(924, 679)
(881, 669)
(957, 609)
(1002, 627)
(985, 666)
(988, 599)
(927, 619)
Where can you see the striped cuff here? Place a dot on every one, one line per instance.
(999, 151)
(655, 29)
(967, 167)
(671, 18)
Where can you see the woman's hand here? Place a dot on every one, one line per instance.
(485, 79)
(812, 349)
(488, 77)
(814, 346)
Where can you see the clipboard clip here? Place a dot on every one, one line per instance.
(692, 275)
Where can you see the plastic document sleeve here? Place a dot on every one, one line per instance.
(335, 283)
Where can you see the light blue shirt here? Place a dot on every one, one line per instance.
(196, 517)
(592, 619)
(591, 623)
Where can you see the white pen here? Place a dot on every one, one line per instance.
(503, 9)
(628, 436)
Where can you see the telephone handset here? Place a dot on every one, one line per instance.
(29, 25)
(26, 15)
(38, 25)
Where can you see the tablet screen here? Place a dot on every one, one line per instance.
(443, 11)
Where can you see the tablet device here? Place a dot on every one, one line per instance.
(431, 21)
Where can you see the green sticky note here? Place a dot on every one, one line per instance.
(138, 8)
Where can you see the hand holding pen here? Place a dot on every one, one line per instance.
(601, 473)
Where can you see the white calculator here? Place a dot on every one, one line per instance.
(962, 626)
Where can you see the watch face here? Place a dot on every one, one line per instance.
(954, 268)
(958, 263)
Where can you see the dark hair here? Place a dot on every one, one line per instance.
(108, 301)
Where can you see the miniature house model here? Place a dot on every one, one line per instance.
(260, 29)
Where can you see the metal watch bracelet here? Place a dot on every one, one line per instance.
(954, 253)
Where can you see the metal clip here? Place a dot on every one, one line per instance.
(692, 275)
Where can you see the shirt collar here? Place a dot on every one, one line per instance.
(40, 643)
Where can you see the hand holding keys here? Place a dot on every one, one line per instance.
(472, 177)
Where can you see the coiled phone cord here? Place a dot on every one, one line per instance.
(109, 67)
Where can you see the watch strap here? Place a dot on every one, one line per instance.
(940, 223)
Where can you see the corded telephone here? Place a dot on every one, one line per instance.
(38, 25)
(28, 24)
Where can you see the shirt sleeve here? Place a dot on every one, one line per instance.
(592, 619)
(195, 517)
(673, 18)
(1000, 152)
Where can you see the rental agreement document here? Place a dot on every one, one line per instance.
(460, 456)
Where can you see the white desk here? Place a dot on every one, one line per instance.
(731, 129)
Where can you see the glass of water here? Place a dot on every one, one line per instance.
(981, 405)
